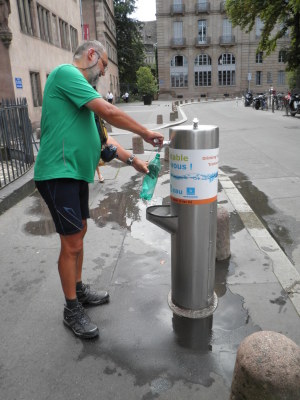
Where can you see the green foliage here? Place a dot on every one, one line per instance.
(279, 18)
(294, 78)
(146, 82)
(129, 42)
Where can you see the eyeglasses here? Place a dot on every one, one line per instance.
(105, 66)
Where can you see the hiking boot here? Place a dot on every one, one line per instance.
(80, 323)
(86, 296)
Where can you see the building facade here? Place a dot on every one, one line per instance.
(149, 39)
(35, 37)
(201, 54)
(99, 23)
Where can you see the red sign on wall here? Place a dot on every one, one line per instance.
(86, 32)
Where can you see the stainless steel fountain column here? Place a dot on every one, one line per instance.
(191, 218)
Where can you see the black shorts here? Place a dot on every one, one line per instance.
(68, 202)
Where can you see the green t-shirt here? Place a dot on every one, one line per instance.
(70, 144)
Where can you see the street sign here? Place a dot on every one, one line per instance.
(19, 84)
(249, 76)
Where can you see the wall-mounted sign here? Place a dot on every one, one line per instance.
(19, 84)
(86, 31)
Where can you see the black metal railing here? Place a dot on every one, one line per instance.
(16, 150)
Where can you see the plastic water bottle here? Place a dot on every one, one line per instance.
(150, 179)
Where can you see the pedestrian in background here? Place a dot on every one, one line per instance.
(66, 162)
(110, 97)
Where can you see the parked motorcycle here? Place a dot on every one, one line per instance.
(248, 99)
(260, 101)
(294, 102)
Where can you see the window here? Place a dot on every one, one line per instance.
(202, 5)
(177, 6)
(178, 30)
(64, 35)
(202, 70)
(281, 56)
(202, 31)
(258, 27)
(227, 30)
(281, 78)
(179, 80)
(259, 57)
(226, 69)
(74, 38)
(26, 16)
(55, 30)
(179, 71)
(36, 88)
(258, 78)
(44, 24)
(178, 61)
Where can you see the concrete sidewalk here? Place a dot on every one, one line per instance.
(144, 351)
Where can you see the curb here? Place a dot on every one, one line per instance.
(16, 191)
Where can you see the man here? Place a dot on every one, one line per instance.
(68, 156)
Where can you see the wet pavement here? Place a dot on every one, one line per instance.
(144, 350)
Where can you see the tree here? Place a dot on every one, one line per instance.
(129, 43)
(294, 78)
(146, 82)
(279, 17)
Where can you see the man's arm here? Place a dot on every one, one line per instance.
(116, 117)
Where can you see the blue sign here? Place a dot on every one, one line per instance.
(190, 191)
(19, 84)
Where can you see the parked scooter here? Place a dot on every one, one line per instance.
(260, 102)
(294, 103)
(248, 99)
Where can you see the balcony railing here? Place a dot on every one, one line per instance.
(202, 7)
(222, 7)
(202, 42)
(227, 40)
(177, 9)
(177, 43)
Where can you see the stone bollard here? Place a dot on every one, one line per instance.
(267, 367)
(137, 144)
(166, 155)
(172, 116)
(159, 119)
(223, 234)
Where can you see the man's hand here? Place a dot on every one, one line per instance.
(154, 138)
(140, 165)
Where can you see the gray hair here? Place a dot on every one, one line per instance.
(94, 44)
